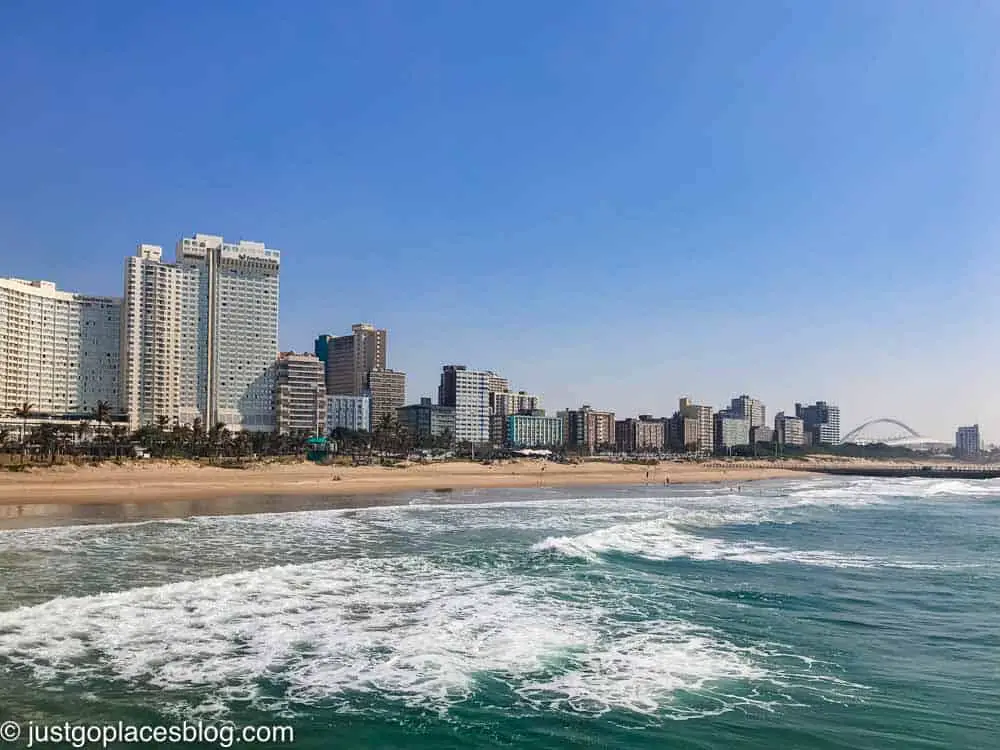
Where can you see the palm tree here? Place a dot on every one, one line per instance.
(117, 434)
(24, 413)
(217, 437)
(4, 437)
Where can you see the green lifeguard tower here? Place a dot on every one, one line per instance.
(317, 449)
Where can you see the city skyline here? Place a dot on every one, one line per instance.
(373, 361)
(793, 201)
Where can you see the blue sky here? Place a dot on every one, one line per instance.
(613, 203)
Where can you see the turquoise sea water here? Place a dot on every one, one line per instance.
(816, 613)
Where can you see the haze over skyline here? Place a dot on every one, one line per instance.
(614, 204)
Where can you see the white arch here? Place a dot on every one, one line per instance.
(881, 420)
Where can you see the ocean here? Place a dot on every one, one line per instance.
(819, 613)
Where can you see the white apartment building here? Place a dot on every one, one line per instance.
(706, 423)
(348, 413)
(468, 391)
(58, 350)
(200, 336)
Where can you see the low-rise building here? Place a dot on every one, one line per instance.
(300, 394)
(533, 431)
(348, 413)
(761, 434)
(427, 421)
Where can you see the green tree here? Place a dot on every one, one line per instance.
(24, 412)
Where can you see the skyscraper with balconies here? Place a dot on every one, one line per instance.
(58, 350)
(200, 335)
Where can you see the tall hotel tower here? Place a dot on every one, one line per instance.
(200, 335)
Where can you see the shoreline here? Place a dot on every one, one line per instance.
(159, 481)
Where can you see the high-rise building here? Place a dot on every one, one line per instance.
(200, 336)
(968, 441)
(683, 433)
(789, 430)
(744, 407)
(706, 425)
(388, 393)
(534, 431)
(587, 429)
(504, 403)
(644, 434)
(348, 413)
(349, 359)
(822, 421)
(427, 421)
(58, 350)
(300, 395)
(468, 391)
(730, 432)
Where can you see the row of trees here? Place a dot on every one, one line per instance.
(101, 437)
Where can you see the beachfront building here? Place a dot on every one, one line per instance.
(468, 393)
(821, 421)
(300, 395)
(703, 415)
(642, 435)
(789, 430)
(387, 389)
(761, 434)
(200, 335)
(349, 359)
(428, 422)
(968, 442)
(534, 431)
(730, 432)
(682, 433)
(588, 430)
(503, 404)
(58, 350)
(348, 413)
(751, 409)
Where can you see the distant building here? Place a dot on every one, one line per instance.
(349, 359)
(822, 421)
(300, 395)
(588, 430)
(526, 431)
(348, 413)
(789, 430)
(468, 392)
(968, 442)
(505, 403)
(744, 407)
(427, 421)
(730, 432)
(388, 392)
(761, 434)
(58, 350)
(683, 433)
(705, 442)
(642, 435)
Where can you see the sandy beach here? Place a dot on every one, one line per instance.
(157, 481)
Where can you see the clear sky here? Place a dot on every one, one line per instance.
(615, 203)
